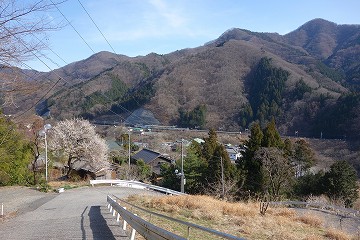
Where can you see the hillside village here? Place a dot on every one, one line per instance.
(246, 119)
(158, 109)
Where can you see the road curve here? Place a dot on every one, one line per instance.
(79, 213)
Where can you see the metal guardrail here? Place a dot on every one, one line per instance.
(144, 228)
(345, 212)
(150, 231)
(135, 184)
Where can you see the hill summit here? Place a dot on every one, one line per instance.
(300, 79)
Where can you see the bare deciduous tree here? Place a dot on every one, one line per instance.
(23, 28)
(78, 141)
(222, 190)
(277, 170)
(23, 25)
(35, 140)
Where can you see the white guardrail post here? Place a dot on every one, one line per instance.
(124, 223)
(133, 231)
(147, 230)
(152, 232)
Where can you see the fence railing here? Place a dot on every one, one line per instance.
(346, 212)
(150, 231)
(135, 184)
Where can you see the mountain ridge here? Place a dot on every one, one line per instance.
(321, 58)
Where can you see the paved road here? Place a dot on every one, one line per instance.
(74, 214)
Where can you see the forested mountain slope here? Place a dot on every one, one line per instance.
(308, 80)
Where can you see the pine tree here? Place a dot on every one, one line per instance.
(210, 145)
(249, 165)
(219, 167)
(256, 180)
(271, 136)
(194, 169)
(169, 178)
(341, 183)
(266, 90)
(303, 157)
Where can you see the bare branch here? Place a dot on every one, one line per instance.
(20, 26)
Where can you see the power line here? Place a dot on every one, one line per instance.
(114, 53)
(49, 69)
(93, 50)
(59, 77)
(72, 26)
(97, 27)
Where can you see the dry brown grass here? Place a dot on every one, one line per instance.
(202, 205)
(72, 184)
(357, 202)
(311, 220)
(239, 219)
(336, 235)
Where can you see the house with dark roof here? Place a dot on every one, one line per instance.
(152, 158)
(234, 154)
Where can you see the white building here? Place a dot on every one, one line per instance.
(234, 154)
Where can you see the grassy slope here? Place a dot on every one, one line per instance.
(239, 219)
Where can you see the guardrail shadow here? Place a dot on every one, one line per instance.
(99, 225)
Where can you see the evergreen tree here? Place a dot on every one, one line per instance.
(288, 147)
(309, 184)
(248, 164)
(303, 157)
(266, 91)
(197, 117)
(256, 138)
(219, 166)
(210, 145)
(245, 115)
(340, 183)
(143, 169)
(194, 169)
(271, 136)
(169, 178)
(15, 155)
(193, 119)
(218, 161)
(256, 180)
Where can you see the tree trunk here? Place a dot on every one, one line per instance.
(34, 171)
(69, 167)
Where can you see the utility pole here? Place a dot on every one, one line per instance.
(182, 167)
(129, 152)
(43, 132)
(222, 178)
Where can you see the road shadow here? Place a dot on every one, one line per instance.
(99, 225)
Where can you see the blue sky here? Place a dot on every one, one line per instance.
(139, 27)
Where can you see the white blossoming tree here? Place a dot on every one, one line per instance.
(77, 140)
